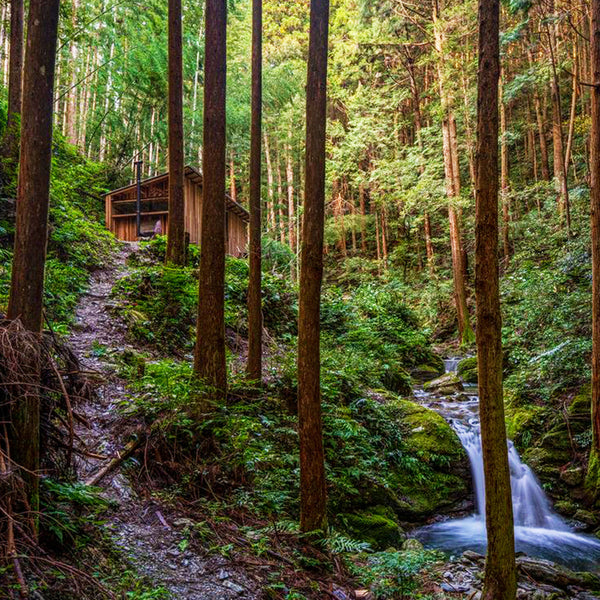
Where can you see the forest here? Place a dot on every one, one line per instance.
(299, 300)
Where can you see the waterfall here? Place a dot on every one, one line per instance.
(538, 530)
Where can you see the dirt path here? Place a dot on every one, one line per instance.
(150, 535)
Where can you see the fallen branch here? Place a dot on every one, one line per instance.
(116, 461)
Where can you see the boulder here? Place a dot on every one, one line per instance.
(435, 443)
(447, 384)
(587, 517)
(396, 379)
(412, 545)
(467, 369)
(573, 477)
(565, 507)
(544, 571)
(377, 527)
(431, 369)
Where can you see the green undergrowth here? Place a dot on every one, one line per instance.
(369, 337)
(76, 559)
(78, 242)
(380, 451)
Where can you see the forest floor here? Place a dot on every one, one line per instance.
(150, 534)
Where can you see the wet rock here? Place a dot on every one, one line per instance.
(549, 573)
(467, 369)
(412, 545)
(587, 517)
(572, 477)
(565, 507)
(427, 372)
(447, 384)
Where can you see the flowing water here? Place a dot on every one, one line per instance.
(539, 531)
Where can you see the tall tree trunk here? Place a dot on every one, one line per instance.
(176, 253)
(232, 182)
(539, 114)
(593, 478)
(280, 199)
(313, 494)
(272, 225)
(560, 174)
(10, 147)
(429, 245)
(71, 99)
(363, 217)
(209, 360)
(505, 177)
(195, 94)
(573, 112)
(255, 318)
(500, 568)
(290, 190)
(31, 232)
(452, 176)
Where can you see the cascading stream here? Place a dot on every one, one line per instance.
(539, 531)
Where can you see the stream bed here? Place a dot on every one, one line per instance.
(539, 531)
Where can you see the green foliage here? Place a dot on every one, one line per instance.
(367, 456)
(158, 303)
(394, 574)
(547, 321)
(68, 509)
(78, 242)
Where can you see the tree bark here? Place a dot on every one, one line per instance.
(429, 245)
(363, 217)
(209, 360)
(453, 185)
(280, 198)
(593, 479)
(71, 99)
(31, 232)
(232, 182)
(313, 495)
(573, 112)
(500, 568)
(290, 191)
(505, 177)
(176, 228)
(255, 318)
(560, 174)
(10, 147)
(272, 225)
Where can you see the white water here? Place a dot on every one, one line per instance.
(538, 530)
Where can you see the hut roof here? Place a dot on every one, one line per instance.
(196, 177)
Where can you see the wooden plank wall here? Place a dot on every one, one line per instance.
(237, 235)
(193, 210)
(124, 228)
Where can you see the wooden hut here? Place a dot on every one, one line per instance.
(121, 211)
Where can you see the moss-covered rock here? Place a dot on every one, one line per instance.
(565, 507)
(581, 403)
(587, 517)
(432, 369)
(434, 442)
(397, 379)
(377, 527)
(572, 477)
(467, 369)
(523, 421)
(447, 384)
